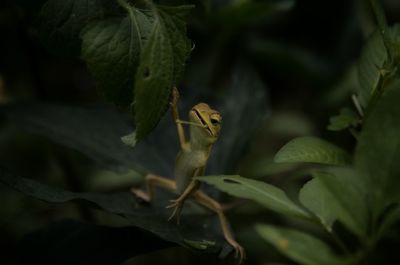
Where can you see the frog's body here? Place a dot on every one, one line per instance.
(205, 125)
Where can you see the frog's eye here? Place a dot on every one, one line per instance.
(215, 121)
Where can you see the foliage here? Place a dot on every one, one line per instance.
(316, 201)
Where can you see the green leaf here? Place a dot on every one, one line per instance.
(314, 150)
(196, 224)
(346, 119)
(337, 195)
(378, 151)
(371, 67)
(298, 246)
(160, 65)
(263, 193)
(111, 49)
(62, 21)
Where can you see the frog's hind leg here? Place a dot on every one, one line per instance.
(208, 202)
(152, 181)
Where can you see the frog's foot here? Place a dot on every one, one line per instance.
(177, 205)
(239, 252)
(142, 195)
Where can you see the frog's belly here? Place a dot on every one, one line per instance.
(186, 166)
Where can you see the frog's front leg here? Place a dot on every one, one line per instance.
(177, 204)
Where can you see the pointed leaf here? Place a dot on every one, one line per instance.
(314, 150)
(298, 246)
(337, 195)
(263, 193)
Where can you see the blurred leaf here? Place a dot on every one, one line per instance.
(195, 226)
(378, 151)
(71, 242)
(347, 118)
(298, 246)
(379, 63)
(314, 150)
(129, 139)
(96, 132)
(337, 195)
(111, 49)
(267, 167)
(392, 41)
(263, 193)
(62, 21)
(370, 67)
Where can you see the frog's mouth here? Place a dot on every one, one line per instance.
(202, 121)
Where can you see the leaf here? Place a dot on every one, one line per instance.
(298, 246)
(314, 150)
(378, 151)
(195, 226)
(111, 49)
(62, 21)
(370, 66)
(160, 66)
(346, 119)
(337, 195)
(263, 193)
(96, 132)
(71, 242)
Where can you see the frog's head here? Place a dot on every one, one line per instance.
(208, 121)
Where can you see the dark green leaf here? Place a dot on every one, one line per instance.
(62, 21)
(111, 49)
(71, 242)
(160, 65)
(300, 247)
(337, 195)
(378, 151)
(314, 150)
(263, 193)
(195, 225)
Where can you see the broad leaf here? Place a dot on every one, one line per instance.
(62, 21)
(299, 246)
(314, 150)
(111, 49)
(71, 242)
(160, 65)
(263, 193)
(378, 151)
(195, 225)
(337, 195)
